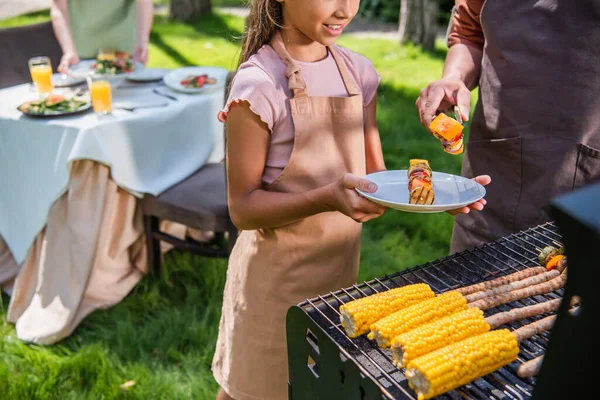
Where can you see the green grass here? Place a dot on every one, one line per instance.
(163, 334)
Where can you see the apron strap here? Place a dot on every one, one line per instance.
(294, 75)
(348, 81)
(293, 71)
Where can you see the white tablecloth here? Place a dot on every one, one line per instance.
(147, 151)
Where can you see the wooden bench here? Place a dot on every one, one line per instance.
(198, 202)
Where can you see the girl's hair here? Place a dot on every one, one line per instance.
(265, 18)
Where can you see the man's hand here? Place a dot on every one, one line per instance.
(479, 204)
(440, 95)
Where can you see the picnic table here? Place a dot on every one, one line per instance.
(71, 231)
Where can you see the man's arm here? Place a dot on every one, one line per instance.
(59, 14)
(462, 66)
(466, 41)
(145, 14)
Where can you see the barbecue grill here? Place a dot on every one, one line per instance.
(324, 363)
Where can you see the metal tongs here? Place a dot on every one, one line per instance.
(457, 115)
(452, 110)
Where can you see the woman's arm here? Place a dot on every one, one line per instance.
(373, 151)
(145, 14)
(59, 14)
(252, 207)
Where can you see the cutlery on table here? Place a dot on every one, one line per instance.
(132, 109)
(168, 96)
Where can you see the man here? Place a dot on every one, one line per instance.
(536, 126)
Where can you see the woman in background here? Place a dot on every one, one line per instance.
(82, 27)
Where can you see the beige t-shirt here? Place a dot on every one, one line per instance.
(103, 24)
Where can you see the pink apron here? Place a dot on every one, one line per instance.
(271, 270)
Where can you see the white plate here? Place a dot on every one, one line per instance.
(148, 75)
(451, 191)
(64, 80)
(173, 78)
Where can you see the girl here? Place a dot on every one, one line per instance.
(301, 132)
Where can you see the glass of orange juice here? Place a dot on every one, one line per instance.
(101, 94)
(41, 75)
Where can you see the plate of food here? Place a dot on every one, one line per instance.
(196, 79)
(114, 66)
(55, 105)
(148, 75)
(64, 80)
(421, 190)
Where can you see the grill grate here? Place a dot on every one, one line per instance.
(499, 258)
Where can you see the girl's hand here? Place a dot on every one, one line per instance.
(440, 95)
(347, 200)
(479, 204)
(66, 61)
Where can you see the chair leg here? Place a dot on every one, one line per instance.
(152, 245)
(232, 234)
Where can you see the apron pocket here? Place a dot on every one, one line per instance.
(588, 165)
(501, 160)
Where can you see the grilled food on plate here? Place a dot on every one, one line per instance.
(197, 81)
(449, 131)
(53, 105)
(113, 63)
(419, 182)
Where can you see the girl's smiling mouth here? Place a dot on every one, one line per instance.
(334, 29)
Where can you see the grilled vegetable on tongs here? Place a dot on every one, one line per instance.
(449, 131)
(420, 187)
(358, 315)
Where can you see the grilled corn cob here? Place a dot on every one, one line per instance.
(357, 316)
(460, 363)
(437, 334)
(386, 329)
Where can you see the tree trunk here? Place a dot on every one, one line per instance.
(418, 22)
(184, 10)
